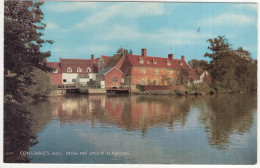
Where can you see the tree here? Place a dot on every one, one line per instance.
(122, 51)
(42, 86)
(230, 70)
(203, 64)
(22, 43)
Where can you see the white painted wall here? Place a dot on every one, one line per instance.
(69, 77)
(92, 76)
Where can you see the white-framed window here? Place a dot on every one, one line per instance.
(168, 63)
(181, 63)
(141, 60)
(154, 61)
(156, 72)
(170, 71)
(148, 62)
(79, 69)
(69, 69)
(114, 79)
(88, 69)
(156, 81)
(54, 70)
(143, 82)
(142, 71)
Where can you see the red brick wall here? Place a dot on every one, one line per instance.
(150, 74)
(109, 78)
(56, 79)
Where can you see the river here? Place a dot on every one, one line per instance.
(218, 129)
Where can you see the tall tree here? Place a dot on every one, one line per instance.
(22, 54)
(230, 70)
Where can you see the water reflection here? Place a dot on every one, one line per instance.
(220, 115)
(127, 112)
(223, 115)
(153, 129)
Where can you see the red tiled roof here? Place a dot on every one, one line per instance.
(148, 61)
(55, 65)
(75, 63)
(105, 59)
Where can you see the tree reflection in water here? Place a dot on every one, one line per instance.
(223, 115)
(220, 115)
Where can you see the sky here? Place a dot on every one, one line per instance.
(80, 29)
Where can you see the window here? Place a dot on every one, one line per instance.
(170, 71)
(143, 71)
(54, 70)
(64, 80)
(69, 69)
(181, 63)
(148, 62)
(143, 82)
(88, 69)
(141, 61)
(79, 69)
(114, 79)
(73, 80)
(156, 72)
(154, 61)
(156, 81)
(168, 63)
(170, 81)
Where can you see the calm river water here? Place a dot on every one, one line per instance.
(218, 129)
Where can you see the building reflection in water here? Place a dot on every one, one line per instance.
(219, 115)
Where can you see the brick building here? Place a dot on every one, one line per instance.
(150, 70)
(110, 77)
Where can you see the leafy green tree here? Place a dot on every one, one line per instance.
(230, 70)
(42, 84)
(203, 64)
(22, 43)
(122, 51)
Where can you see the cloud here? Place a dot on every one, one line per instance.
(160, 36)
(71, 6)
(52, 25)
(128, 10)
(228, 19)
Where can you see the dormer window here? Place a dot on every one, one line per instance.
(54, 70)
(88, 69)
(69, 69)
(79, 69)
(148, 62)
(168, 63)
(154, 61)
(181, 63)
(141, 60)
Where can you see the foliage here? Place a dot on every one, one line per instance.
(203, 64)
(122, 51)
(232, 70)
(140, 87)
(42, 84)
(22, 42)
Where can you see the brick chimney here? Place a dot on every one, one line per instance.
(144, 51)
(183, 58)
(92, 56)
(170, 56)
